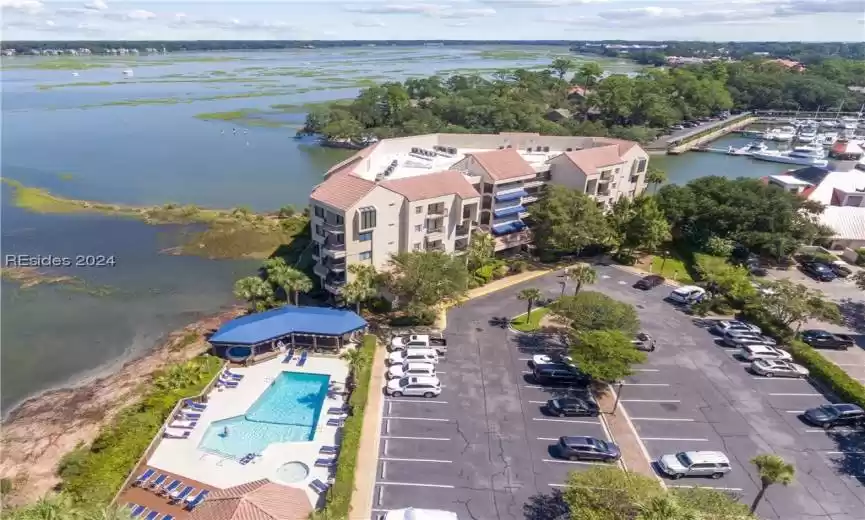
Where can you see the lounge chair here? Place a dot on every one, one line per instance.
(328, 450)
(176, 435)
(325, 463)
(170, 487)
(180, 494)
(288, 357)
(337, 410)
(229, 375)
(189, 416)
(192, 502)
(336, 421)
(302, 360)
(319, 486)
(249, 457)
(144, 477)
(183, 425)
(152, 515)
(135, 510)
(227, 384)
(195, 406)
(167, 517)
(159, 481)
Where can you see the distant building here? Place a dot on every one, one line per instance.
(790, 64)
(558, 114)
(577, 92)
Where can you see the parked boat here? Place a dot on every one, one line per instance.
(804, 155)
(755, 146)
(807, 135)
(783, 134)
(827, 139)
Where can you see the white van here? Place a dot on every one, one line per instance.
(413, 355)
(688, 294)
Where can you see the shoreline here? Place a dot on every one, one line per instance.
(43, 428)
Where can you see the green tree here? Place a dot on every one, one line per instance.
(362, 287)
(605, 355)
(713, 504)
(732, 281)
(639, 224)
(656, 177)
(292, 281)
(480, 251)
(567, 221)
(254, 290)
(530, 296)
(561, 66)
(772, 470)
(665, 507)
(601, 493)
(581, 274)
(423, 279)
(792, 304)
(588, 74)
(591, 311)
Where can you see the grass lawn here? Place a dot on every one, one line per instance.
(522, 324)
(674, 269)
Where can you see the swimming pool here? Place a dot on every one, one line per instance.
(287, 411)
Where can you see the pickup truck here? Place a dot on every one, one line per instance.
(435, 341)
(823, 339)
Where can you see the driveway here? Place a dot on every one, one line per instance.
(481, 449)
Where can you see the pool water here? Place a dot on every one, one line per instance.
(287, 411)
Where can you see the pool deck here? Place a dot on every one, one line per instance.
(182, 456)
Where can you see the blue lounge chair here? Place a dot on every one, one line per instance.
(337, 410)
(190, 416)
(288, 357)
(319, 486)
(159, 481)
(180, 495)
(325, 463)
(199, 498)
(168, 435)
(152, 515)
(302, 360)
(144, 477)
(228, 374)
(135, 510)
(182, 425)
(170, 487)
(195, 406)
(167, 517)
(338, 422)
(328, 450)
(227, 384)
(249, 457)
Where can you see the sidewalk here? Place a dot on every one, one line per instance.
(366, 470)
(635, 457)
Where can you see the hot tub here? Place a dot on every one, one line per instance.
(238, 354)
(292, 472)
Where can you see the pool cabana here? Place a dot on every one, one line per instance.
(262, 334)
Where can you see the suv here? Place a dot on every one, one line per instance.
(831, 415)
(694, 464)
(823, 339)
(558, 374)
(434, 341)
(587, 448)
(411, 368)
(752, 352)
(739, 339)
(687, 295)
(425, 386)
(727, 325)
(573, 407)
(818, 271)
(418, 355)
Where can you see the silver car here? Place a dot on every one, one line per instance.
(778, 368)
(736, 338)
(694, 464)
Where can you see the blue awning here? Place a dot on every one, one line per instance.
(512, 210)
(508, 227)
(511, 195)
(261, 327)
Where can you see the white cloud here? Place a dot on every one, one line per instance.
(467, 13)
(23, 6)
(804, 7)
(396, 8)
(182, 20)
(368, 23)
(457, 24)
(531, 4)
(96, 5)
(140, 14)
(50, 23)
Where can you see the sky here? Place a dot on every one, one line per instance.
(712, 20)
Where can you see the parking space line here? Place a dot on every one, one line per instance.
(796, 395)
(383, 470)
(672, 439)
(794, 411)
(849, 364)
(557, 485)
(649, 401)
(704, 487)
(378, 497)
(396, 437)
(576, 421)
(847, 452)
(417, 419)
(414, 484)
(526, 372)
(760, 378)
(393, 459)
(645, 370)
(524, 359)
(415, 401)
(547, 439)
(575, 462)
(646, 384)
(670, 419)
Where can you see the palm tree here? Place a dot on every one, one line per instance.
(530, 295)
(581, 274)
(254, 290)
(656, 177)
(55, 507)
(108, 513)
(274, 265)
(772, 470)
(296, 281)
(665, 507)
(481, 250)
(363, 286)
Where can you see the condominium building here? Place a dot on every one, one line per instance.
(430, 192)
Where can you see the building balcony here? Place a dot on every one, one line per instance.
(511, 194)
(320, 270)
(328, 225)
(461, 245)
(435, 233)
(435, 246)
(508, 211)
(335, 266)
(333, 250)
(437, 210)
(535, 183)
(334, 285)
(505, 228)
(463, 230)
(531, 198)
(513, 240)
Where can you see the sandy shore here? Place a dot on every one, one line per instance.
(39, 432)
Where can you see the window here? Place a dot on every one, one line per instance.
(365, 237)
(418, 228)
(569, 149)
(546, 148)
(319, 231)
(416, 246)
(642, 166)
(367, 218)
(418, 210)
(366, 255)
(319, 211)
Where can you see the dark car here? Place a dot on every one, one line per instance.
(818, 271)
(573, 407)
(824, 339)
(841, 271)
(559, 374)
(831, 415)
(649, 282)
(587, 448)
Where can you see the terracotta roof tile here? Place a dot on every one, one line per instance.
(504, 164)
(342, 191)
(361, 154)
(590, 159)
(259, 500)
(624, 146)
(432, 185)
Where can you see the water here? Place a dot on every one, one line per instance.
(288, 411)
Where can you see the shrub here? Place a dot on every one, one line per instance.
(379, 305)
(770, 326)
(717, 246)
(500, 272)
(484, 274)
(519, 266)
(860, 256)
(624, 258)
(827, 372)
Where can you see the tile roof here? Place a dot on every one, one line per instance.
(624, 146)
(258, 500)
(361, 154)
(590, 159)
(342, 191)
(848, 222)
(432, 185)
(503, 164)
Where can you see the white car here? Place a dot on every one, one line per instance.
(550, 359)
(423, 386)
(752, 352)
(413, 355)
(688, 294)
(420, 514)
(723, 326)
(778, 368)
(419, 341)
(411, 369)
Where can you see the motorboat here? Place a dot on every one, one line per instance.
(783, 134)
(828, 123)
(827, 139)
(755, 146)
(804, 155)
(807, 135)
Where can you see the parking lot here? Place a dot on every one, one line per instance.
(482, 448)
